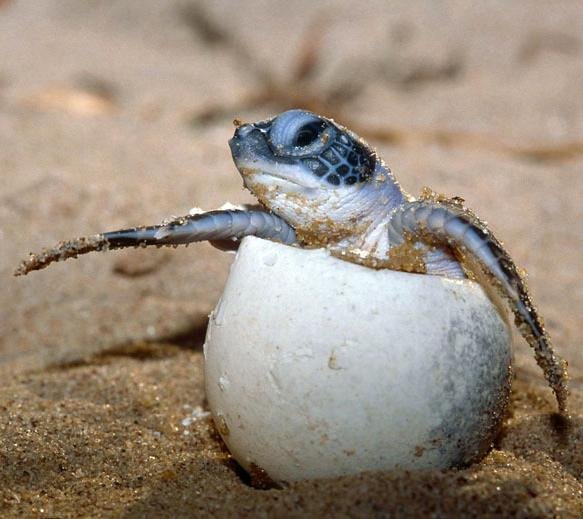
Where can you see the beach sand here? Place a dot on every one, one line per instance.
(114, 114)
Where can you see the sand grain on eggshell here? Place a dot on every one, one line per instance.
(117, 114)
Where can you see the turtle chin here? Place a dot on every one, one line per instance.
(263, 172)
(273, 189)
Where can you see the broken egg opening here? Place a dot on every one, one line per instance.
(316, 367)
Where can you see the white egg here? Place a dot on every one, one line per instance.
(316, 367)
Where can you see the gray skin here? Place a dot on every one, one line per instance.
(320, 185)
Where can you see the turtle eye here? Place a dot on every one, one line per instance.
(297, 133)
(308, 133)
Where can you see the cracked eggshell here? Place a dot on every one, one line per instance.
(316, 367)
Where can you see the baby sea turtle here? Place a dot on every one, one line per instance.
(320, 185)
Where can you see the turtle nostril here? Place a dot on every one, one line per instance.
(244, 130)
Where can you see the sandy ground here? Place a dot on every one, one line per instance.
(116, 113)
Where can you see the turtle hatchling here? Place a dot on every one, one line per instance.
(321, 186)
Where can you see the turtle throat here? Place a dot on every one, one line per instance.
(355, 221)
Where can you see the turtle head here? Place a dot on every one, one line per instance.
(315, 174)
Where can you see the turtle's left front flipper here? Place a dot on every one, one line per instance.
(439, 221)
(216, 226)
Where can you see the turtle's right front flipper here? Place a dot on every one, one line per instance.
(439, 221)
(216, 226)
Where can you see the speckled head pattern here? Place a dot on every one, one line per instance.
(321, 178)
(314, 143)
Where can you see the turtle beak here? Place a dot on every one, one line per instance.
(248, 145)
